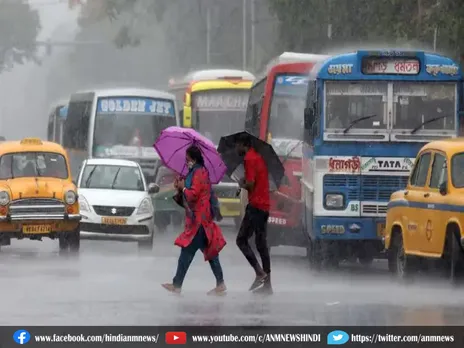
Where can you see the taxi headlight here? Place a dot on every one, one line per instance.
(83, 204)
(70, 197)
(145, 207)
(4, 198)
(334, 201)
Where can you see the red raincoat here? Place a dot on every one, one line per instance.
(198, 199)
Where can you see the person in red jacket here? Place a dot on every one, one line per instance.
(256, 182)
(200, 233)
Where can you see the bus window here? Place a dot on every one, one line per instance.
(77, 125)
(255, 103)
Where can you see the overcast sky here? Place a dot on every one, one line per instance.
(23, 102)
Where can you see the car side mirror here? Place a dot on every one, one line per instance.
(443, 188)
(153, 188)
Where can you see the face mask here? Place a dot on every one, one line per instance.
(190, 165)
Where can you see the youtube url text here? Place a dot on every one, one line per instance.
(257, 338)
(391, 338)
(105, 338)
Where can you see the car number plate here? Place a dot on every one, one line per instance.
(37, 229)
(380, 229)
(113, 221)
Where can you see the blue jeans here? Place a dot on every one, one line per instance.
(200, 241)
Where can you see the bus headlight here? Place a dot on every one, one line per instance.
(4, 198)
(334, 201)
(70, 197)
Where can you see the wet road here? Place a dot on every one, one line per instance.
(112, 284)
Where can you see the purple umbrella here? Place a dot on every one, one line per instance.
(174, 141)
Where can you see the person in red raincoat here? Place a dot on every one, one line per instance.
(200, 233)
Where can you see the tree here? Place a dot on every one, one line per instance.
(19, 26)
(305, 23)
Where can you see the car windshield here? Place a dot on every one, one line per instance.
(419, 102)
(33, 164)
(348, 101)
(220, 112)
(457, 168)
(112, 177)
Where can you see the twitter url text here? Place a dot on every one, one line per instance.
(391, 338)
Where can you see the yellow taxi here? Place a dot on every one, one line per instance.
(426, 220)
(37, 196)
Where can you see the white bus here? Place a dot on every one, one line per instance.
(118, 123)
(56, 120)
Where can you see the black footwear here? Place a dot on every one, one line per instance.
(259, 281)
(264, 290)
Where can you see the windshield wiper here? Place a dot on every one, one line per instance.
(357, 120)
(115, 177)
(427, 122)
(87, 182)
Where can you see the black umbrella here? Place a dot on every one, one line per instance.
(234, 162)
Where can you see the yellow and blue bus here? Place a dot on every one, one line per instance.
(214, 102)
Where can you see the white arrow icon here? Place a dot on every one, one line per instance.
(176, 337)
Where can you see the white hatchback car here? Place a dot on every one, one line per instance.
(115, 202)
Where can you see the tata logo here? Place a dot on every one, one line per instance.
(113, 211)
(389, 164)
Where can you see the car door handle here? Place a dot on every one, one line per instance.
(426, 194)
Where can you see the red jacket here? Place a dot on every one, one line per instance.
(198, 198)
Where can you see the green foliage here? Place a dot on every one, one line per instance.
(304, 23)
(19, 26)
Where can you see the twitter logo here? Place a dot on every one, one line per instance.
(337, 337)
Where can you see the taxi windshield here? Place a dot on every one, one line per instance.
(33, 164)
(112, 177)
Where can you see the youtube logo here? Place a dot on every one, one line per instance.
(176, 337)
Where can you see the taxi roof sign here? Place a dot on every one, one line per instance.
(31, 141)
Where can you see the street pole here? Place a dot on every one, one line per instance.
(253, 34)
(244, 38)
(208, 35)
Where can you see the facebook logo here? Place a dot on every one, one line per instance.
(21, 336)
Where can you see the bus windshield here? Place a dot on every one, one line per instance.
(135, 122)
(286, 116)
(219, 112)
(348, 101)
(416, 104)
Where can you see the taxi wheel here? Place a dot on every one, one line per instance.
(399, 262)
(453, 255)
(63, 243)
(74, 240)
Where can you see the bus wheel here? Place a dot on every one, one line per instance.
(237, 222)
(314, 254)
(365, 257)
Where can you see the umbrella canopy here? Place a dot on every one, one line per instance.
(234, 162)
(172, 144)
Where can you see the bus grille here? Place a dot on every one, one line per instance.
(377, 188)
(381, 187)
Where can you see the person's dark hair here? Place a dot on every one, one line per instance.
(194, 153)
(244, 139)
